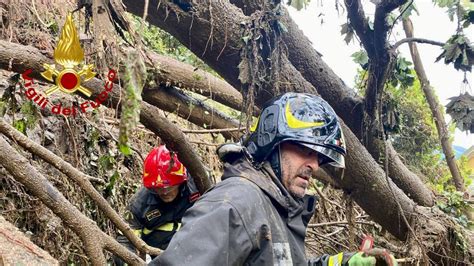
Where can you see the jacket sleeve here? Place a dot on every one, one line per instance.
(328, 260)
(123, 240)
(213, 233)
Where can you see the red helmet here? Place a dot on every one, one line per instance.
(157, 172)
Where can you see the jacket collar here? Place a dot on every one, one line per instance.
(266, 180)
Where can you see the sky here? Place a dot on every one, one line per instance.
(321, 23)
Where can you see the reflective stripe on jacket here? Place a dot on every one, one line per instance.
(155, 221)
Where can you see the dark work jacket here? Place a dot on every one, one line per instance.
(247, 219)
(147, 213)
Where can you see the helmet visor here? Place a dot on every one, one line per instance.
(327, 155)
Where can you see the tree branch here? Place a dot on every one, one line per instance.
(92, 237)
(171, 99)
(81, 179)
(364, 170)
(431, 98)
(182, 75)
(418, 40)
(359, 22)
(207, 131)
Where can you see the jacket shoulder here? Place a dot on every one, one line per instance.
(237, 191)
(139, 200)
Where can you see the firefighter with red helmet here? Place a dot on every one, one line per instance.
(155, 211)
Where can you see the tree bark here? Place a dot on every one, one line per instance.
(435, 109)
(173, 72)
(81, 179)
(172, 100)
(17, 249)
(93, 238)
(15, 57)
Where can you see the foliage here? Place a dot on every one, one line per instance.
(361, 58)
(348, 31)
(134, 79)
(458, 50)
(463, 9)
(164, 43)
(298, 4)
(408, 119)
(27, 113)
(402, 74)
(461, 109)
(453, 204)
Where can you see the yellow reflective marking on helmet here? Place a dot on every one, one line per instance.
(254, 126)
(294, 122)
(180, 171)
(158, 179)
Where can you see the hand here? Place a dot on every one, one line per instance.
(372, 257)
(359, 259)
(369, 256)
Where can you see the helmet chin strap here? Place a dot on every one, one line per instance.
(275, 162)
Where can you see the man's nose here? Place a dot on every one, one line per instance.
(313, 162)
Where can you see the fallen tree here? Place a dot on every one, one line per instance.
(170, 71)
(365, 181)
(364, 170)
(16, 248)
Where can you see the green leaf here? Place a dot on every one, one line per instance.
(110, 187)
(360, 57)
(125, 149)
(298, 4)
(20, 125)
(347, 29)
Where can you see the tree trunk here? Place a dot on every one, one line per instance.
(172, 100)
(17, 249)
(81, 179)
(365, 181)
(435, 109)
(173, 72)
(166, 16)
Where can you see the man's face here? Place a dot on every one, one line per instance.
(298, 164)
(167, 194)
